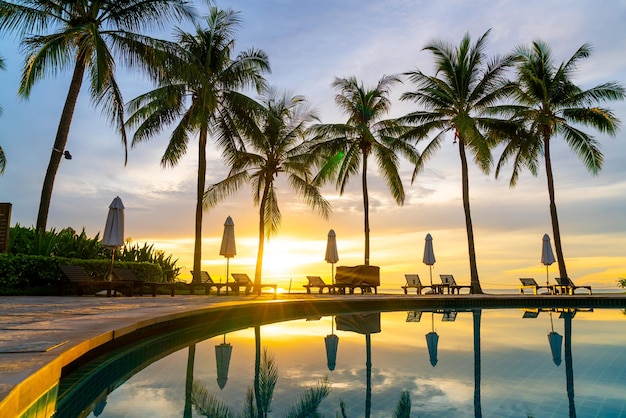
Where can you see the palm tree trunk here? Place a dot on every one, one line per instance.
(259, 257)
(59, 144)
(366, 210)
(556, 232)
(197, 247)
(475, 282)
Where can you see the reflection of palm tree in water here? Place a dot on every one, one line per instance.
(569, 367)
(477, 405)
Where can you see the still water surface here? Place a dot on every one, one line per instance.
(483, 363)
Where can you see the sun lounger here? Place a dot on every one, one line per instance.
(566, 286)
(128, 275)
(318, 282)
(447, 280)
(366, 278)
(80, 279)
(413, 282)
(530, 283)
(206, 282)
(242, 280)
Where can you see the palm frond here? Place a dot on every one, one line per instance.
(221, 190)
(207, 404)
(308, 403)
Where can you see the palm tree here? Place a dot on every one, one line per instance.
(3, 160)
(274, 143)
(549, 103)
(199, 93)
(84, 33)
(460, 98)
(350, 144)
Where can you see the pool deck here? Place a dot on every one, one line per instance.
(40, 335)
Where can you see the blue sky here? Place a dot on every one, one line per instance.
(309, 44)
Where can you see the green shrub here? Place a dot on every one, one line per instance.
(31, 265)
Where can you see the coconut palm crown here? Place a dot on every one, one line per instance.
(460, 104)
(549, 104)
(346, 147)
(85, 34)
(274, 142)
(199, 93)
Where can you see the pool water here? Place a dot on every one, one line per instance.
(482, 363)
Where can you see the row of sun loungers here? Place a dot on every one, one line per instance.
(564, 286)
(127, 283)
(447, 285)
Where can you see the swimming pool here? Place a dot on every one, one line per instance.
(453, 362)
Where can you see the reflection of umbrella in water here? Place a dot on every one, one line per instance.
(556, 342)
(331, 253)
(429, 255)
(363, 324)
(228, 249)
(432, 339)
(547, 257)
(113, 236)
(332, 344)
(222, 359)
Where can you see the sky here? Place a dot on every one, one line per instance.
(309, 44)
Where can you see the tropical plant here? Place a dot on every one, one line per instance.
(274, 142)
(199, 92)
(348, 145)
(550, 104)
(85, 33)
(403, 408)
(621, 283)
(306, 406)
(461, 98)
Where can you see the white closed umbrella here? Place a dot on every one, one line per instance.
(223, 353)
(228, 249)
(332, 256)
(429, 255)
(547, 256)
(113, 236)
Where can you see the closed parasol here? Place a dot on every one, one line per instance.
(228, 249)
(547, 257)
(429, 255)
(113, 236)
(332, 256)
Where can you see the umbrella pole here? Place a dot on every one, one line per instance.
(431, 276)
(547, 277)
(109, 276)
(332, 273)
(227, 271)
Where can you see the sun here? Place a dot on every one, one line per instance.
(289, 257)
